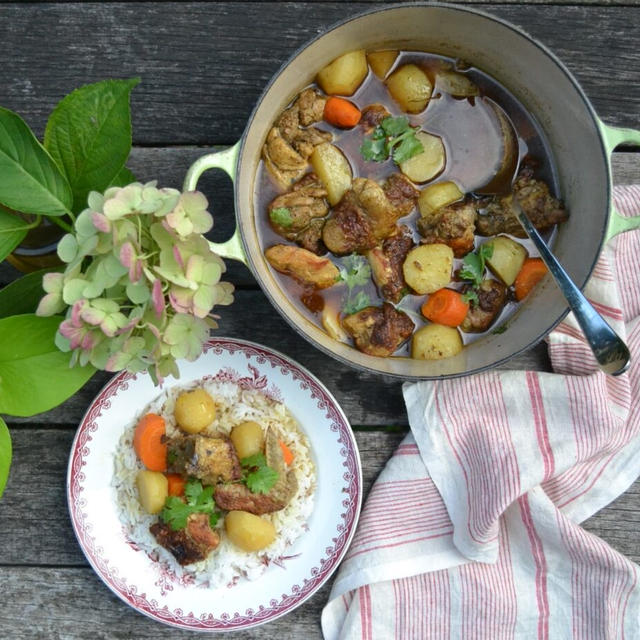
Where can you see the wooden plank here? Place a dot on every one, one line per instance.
(199, 85)
(35, 500)
(169, 165)
(367, 398)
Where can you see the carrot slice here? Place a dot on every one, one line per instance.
(341, 113)
(531, 272)
(148, 442)
(445, 306)
(286, 453)
(176, 484)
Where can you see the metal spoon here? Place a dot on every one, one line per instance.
(610, 351)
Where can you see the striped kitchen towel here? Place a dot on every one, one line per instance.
(472, 529)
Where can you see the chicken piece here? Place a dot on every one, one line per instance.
(214, 459)
(541, 208)
(372, 116)
(191, 544)
(453, 225)
(492, 296)
(305, 202)
(289, 144)
(310, 104)
(362, 218)
(306, 267)
(310, 238)
(401, 193)
(386, 264)
(379, 331)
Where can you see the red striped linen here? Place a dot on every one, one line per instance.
(472, 529)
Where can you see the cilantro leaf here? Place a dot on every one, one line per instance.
(359, 302)
(470, 296)
(281, 216)
(256, 460)
(409, 147)
(198, 499)
(498, 330)
(473, 264)
(393, 127)
(261, 480)
(393, 137)
(356, 271)
(374, 150)
(175, 513)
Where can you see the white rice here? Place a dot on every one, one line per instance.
(226, 564)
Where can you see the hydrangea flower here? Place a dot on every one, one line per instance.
(140, 283)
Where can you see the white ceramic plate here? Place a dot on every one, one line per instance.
(151, 586)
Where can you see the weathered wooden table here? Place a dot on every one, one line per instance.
(203, 67)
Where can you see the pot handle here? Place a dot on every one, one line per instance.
(226, 160)
(614, 137)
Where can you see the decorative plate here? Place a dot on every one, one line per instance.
(150, 586)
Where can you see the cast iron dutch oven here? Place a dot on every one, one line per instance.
(581, 147)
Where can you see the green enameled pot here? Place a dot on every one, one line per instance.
(581, 146)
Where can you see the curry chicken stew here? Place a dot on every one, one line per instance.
(384, 202)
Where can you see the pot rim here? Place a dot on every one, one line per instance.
(518, 31)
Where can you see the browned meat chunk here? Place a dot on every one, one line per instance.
(296, 214)
(214, 460)
(386, 264)
(291, 141)
(304, 266)
(237, 497)
(372, 116)
(541, 207)
(401, 193)
(188, 545)
(361, 219)
(492, 296)
(379, 331)
(453, 225)
(310, 238)
(179, 452)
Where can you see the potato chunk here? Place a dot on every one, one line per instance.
(427, 268)
(153, 489)
(455, 84)
(507, 258)
(247, 438)
(381, 61)
(345, 74)
(249, 532)
(194, 410)
(333, 169)
(435, 341)
(410, 87)
(428, 164)
(438, 195)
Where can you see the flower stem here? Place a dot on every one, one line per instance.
(62, 224)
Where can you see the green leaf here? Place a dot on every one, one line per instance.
(124, 177)
(256, 460)
(30, 181)
(358, 303)
(356, 271)
(261, 480)
(5, 454)
(12, 232)
(34, 374)
(89, 136)
(281, 216)
(23, 295)
(409, 146)
(395, 126)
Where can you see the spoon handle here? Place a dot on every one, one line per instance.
(610, 351)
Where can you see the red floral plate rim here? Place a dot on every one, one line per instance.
(276, 607)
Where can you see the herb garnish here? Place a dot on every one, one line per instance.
(199, 499)
(355, 272)
(281, 216)
(498, 330)
(393, 137)
(259, 478)
(473, 264)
